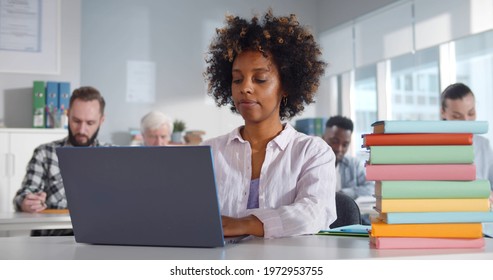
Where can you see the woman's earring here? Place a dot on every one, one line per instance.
(285, 101)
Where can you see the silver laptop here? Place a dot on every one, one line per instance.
(150, 196)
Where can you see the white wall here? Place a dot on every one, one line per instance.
(175, 37)
(332, 13)
(99, 36)
(16, 89)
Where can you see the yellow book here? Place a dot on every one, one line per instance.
(462, 230)
(432, 205)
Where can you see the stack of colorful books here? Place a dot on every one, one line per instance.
(426, 190)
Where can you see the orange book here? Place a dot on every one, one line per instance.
(462, 230)
(417, 139)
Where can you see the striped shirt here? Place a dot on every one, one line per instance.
(296, 186)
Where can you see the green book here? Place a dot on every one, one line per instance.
(319, 126)
(39, 103)
(432, 189)
(421, 154)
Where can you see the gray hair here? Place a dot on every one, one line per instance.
(155, 120)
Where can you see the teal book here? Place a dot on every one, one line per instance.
(436, 217)
(432, 189)
(476, 127)
(463, 154)
(350, 230)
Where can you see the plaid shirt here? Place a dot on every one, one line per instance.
(43, 174)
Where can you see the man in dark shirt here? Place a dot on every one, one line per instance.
(351, 176)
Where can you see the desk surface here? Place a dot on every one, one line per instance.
(28, 221)
(302, 247)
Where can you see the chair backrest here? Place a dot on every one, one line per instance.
(347, 211)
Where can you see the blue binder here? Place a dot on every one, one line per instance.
(63, 96)
(51, 103)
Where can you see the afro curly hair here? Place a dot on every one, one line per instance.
(291, 46)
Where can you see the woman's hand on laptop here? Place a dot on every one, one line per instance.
(34, 202)
(240, 226)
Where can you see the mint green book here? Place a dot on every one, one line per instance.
(476, 127)
(457, 154)
(432, 189)
(436, 217)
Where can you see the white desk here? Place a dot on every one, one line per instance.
(294, 248)
(28, 221)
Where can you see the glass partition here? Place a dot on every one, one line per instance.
(365, 102)
(474, 60)
(415, 87)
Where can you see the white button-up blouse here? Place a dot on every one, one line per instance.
(297, 181)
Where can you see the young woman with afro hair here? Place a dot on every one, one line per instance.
(272, 180)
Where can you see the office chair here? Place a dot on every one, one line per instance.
(347, 211)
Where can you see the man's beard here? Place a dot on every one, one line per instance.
(73, 140)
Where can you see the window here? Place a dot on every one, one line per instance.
(419, 71)
(365, 101)
(474, 60)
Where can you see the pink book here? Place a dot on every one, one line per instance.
(425, 243)
(413, 172)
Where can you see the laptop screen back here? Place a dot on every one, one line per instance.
(156, 196)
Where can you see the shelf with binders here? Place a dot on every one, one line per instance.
(50, 104)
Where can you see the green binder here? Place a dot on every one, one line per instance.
(39, 103)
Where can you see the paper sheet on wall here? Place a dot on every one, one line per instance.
(141, 81)
(30, 36)
(20, 25)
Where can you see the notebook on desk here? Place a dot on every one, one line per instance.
(150, 196)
